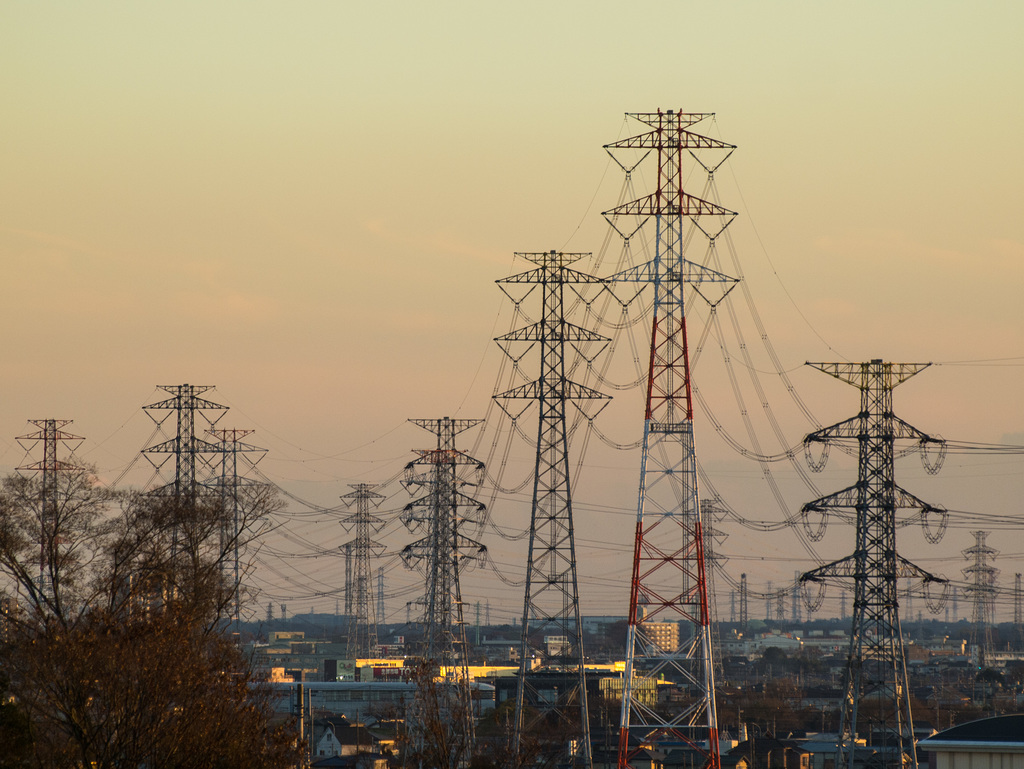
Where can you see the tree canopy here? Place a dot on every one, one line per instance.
(114, 621)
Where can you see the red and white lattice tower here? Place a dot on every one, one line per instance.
(669, 577)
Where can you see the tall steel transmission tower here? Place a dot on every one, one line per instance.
(232, 490)
(552, 629)
(981, 590)
(349, 583)
(51, 434)
(744, 617)
(362, 629)
(439, 475)
(669, 578)
(875, 682)
(1018, 610)
(194, 457)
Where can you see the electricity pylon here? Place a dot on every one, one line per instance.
(1018, 610)
(193, 455)
(362, 629)
(669, 578)
(552, 628)
(744, 617)
(444, 703)
(51, 434)
(233, 501)
(982, 592)
(875, 681)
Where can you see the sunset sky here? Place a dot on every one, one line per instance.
(307, 205)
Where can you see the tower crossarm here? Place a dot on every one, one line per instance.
(855, 428)
(691, 273)
(851, 567)
(191, 395)
(675, 117)
(683, 204)
(443, 457)
(856, 495)
(859, 374)
(196, 445)
(551, 274)
(679, 138)
(570, 391)
(563, 332)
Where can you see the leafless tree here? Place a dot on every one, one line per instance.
(114, 648)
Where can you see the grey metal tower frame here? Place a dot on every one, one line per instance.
(362, 631)
(875, 682)
(443, 708)
(231, 485)
(981, 589)
(669, 578)
(193, 455)
(551, 627)
(49, 468)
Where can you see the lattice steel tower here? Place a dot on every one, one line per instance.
(669, 578)
(875, 682)
(49, 468)
(362, 628)
(552, 628)
(232, 486)
(439, 475)
(981, 589)
(194, 457)
(744, 617)
(1018, 611)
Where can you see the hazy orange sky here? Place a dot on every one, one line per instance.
(307, 205)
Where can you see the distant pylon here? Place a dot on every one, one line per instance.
(551, 626)
(349, 586)
(744, 617)
(982, 592)
(795, 597)
(669, 577)
(875, 682)
(1018, 610)
(380, 594)
(441, 510)
(362, 635)
(193, 456)
(712, 512)
(232, 499)
(49, 468)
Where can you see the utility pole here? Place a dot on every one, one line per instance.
(362, 635)
(49, 468)
(551, 625)
(669, 577)
(876, 669)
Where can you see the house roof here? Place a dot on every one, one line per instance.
(986, 732)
